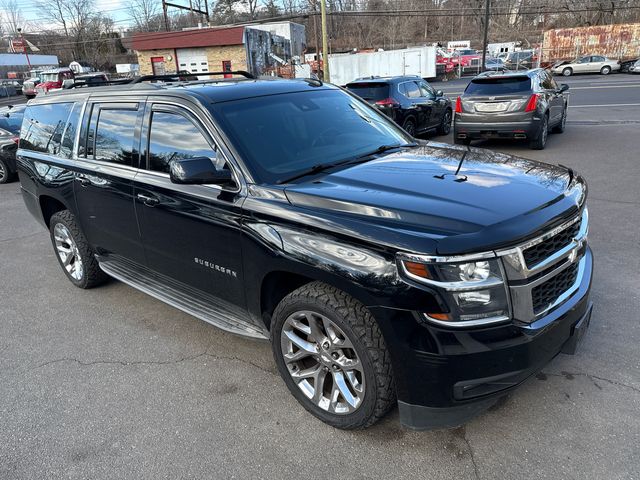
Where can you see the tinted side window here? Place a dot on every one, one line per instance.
(426, 90)
(115, 135)
(43, 126)
(69, 134)
(545, 81)
(411, 90)
(173, 136)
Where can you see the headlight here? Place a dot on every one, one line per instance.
(474, 290)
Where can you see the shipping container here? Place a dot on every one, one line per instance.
(620, 41)
(346, 67)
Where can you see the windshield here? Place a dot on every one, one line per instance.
(49, 77)
(498, 86)
(282, 135)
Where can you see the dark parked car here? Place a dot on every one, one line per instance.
(379, 267)
(520, 105)
(410, 101)
(8, 147)
(520, 60)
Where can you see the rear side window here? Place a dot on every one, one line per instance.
(498, 86)
(370, 90)
(173, 136)
(112, 134)
(43, 127)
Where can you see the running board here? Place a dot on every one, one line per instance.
(206, 307)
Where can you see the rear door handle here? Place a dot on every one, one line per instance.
(148, 200)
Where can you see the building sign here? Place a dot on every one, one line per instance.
(458, 44)
(17, 45)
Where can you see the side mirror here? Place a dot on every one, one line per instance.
(564, 87)
(198, 170)
(439, 93)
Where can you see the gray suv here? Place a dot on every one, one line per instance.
(518, 105)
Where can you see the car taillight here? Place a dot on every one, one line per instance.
(16, 140)
(387, 102)
(532, 103)
(458, 105)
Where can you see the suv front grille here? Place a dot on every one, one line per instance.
(534, 255)
(546, 293)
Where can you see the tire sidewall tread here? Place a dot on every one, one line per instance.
(358, 324)
(92, 274)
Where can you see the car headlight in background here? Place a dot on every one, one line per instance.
(474, 289)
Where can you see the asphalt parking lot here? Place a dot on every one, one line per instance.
(111, 383)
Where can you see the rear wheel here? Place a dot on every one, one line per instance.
(332, 357)
(567, 72)
(409, 126)
(445, 125)
(73, 251)
(541, 140)
(606, 70)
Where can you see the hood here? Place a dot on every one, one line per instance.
(460, 199)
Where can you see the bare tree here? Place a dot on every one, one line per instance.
(12, 16)
(145, 15)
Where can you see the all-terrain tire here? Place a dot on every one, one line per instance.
(92, 275)
(357, 323)
(5, 174)
(409, 126)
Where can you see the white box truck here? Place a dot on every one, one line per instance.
(346, 67)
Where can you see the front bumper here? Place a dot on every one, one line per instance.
(444, 377)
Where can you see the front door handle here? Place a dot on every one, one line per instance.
(84, 181)
(148, 200)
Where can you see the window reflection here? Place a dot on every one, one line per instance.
(173, 136)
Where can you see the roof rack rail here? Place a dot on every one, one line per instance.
(180, 76)
(101, 83)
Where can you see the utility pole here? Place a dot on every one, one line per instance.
(486, 34)
(166, 17)
(325, 49)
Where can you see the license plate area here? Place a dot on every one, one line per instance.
(492, 107)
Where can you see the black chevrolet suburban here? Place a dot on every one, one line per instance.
(381, 268)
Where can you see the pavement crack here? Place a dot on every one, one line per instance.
(126, 363)
(593, 378)
(461, 433)
(20, 237)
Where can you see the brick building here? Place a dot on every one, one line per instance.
(210, 49)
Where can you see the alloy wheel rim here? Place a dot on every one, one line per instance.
(544, 131)
(322, 362)
(67, 251)
(447, 122)
(2, 172)
(410, 129)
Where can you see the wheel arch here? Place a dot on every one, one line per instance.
(49, 206)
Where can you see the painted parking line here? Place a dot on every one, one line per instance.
(608, 105)
(612, 87)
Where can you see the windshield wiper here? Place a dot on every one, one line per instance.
(321, 167)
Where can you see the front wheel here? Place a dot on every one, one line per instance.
(73, 251)
(332, 357)
(567, 72)
(561, 126)
(5, 173)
